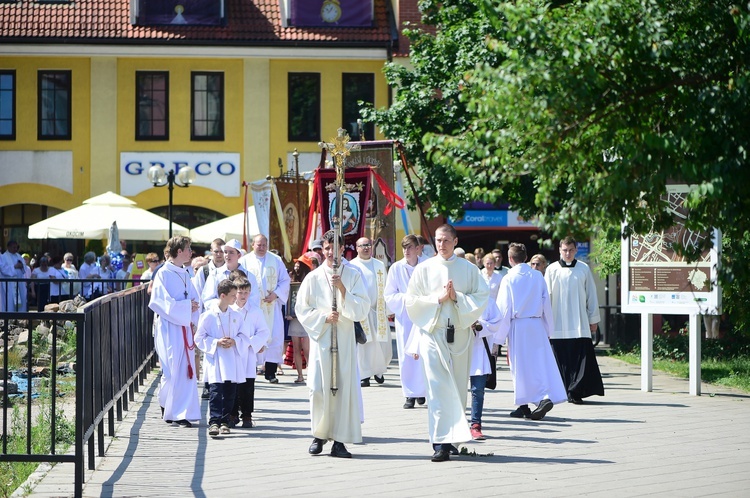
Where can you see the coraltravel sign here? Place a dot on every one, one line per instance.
(217, 171)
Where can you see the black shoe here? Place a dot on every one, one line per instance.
(379, 379)
(576, 400)
(522, 411)
(409, 403)
(421, 401)
(273, 380)
(364, 382)
(542, 408)
(452, 449)
(441, 455)
(184, 423)
(339, 450)
(316, 447)
(205, 394)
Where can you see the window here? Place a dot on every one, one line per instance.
(152, 105)
(356, 87)
(207, 106)
(304, 107)
(7, 105)
(54, 105)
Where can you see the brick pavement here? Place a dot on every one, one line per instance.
(628, 443)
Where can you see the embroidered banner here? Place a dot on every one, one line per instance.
(262, 202)
(294, 200)
(186, 12)
(354, 204)
(332, 13)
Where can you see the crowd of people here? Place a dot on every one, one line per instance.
(52, 269)
(243, 311)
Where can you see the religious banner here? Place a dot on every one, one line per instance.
(294, 200)
(380, 214)
(180, 12)
(332, 13)
(262, 201)
(354, 204)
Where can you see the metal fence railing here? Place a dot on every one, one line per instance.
(113, 354)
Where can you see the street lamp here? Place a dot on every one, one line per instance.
(184, 177)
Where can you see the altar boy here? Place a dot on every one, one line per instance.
(257, 330)
(222, 337)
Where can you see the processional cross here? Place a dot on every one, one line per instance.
(340, 148)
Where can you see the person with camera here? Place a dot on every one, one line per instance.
(445, 296)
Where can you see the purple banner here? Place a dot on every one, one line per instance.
(180, 12)
(332, 13)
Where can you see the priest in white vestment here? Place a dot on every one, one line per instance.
(333, 417)
(374, 356)
(175, 303)
(526, 312)
(575, 308)
(411, 370)
(444, 292)
(273, 288)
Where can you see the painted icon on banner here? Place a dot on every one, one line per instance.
(350, 212)
(291, 223)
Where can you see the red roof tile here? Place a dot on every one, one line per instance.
(248, 22)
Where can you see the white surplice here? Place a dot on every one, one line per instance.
(333, 417)
(493, 282)
(171, 297)
(210, 294)
(257, 329)
(223, 364)
(574, 301)
(526, 311)
(412, 371)
(446, 365)
(272, 276)
(490, 321)
(376, 354)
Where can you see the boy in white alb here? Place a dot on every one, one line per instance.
(259, 334)
(221, 336)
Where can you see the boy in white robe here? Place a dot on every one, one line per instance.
(526, 313)
(257, 331)
(222, 337)
(444, 292)
(411, 370)
(176, 307)
(338, 417)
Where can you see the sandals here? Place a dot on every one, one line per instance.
(300, 380)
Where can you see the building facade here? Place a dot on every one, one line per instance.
(95, 92)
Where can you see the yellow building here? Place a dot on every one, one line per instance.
(95, 92)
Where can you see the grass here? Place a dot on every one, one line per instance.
(13, 474)
(731, 372)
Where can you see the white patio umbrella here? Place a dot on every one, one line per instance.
(226, 228)
(94, 218)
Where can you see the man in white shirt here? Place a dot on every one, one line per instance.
(12, 294)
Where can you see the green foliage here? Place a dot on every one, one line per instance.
(580, 113)
(95, 245)
(12, 474)
(606, 257)
(14, 359)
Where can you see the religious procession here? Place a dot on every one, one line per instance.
(221, 324)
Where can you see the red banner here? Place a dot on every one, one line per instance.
(354, 203)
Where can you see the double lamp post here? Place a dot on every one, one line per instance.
(160, 178)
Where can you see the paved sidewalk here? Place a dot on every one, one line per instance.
(628, 443)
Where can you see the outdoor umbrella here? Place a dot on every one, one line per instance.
(94, 218)
(226, 228)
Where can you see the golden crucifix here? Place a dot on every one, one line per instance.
(340, 149)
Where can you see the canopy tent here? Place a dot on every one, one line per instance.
(227, 228)
(94, 218)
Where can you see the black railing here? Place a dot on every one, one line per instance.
(113, 354)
